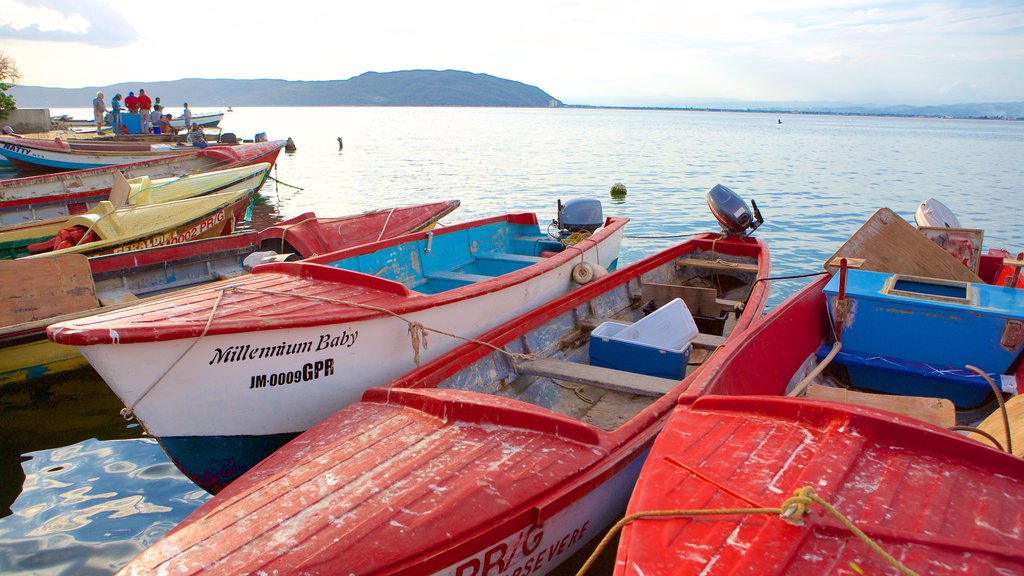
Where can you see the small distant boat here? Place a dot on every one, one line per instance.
(44, 291)
(43, 196)
(24, 239)
(504, 456)
(31, 154)
(294, 341)
(746, 437)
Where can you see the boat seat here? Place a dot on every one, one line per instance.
(716, 265)
(607, 378)
(505, 257)
(456, 279)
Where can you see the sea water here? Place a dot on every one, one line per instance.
(88, 491)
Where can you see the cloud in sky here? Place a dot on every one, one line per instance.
(65, 21)
(580, 51)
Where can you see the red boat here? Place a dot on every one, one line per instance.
(488, 460)
(936, 501)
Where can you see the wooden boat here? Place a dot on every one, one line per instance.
(277, 351)
(58, 155)
(33, 198)
(38, 237)
(110, 230)
(39, 292)
(504, 456)
(937, 501)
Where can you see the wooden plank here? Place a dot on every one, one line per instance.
(938, 411)
(994, 426)
(42, 287)
(607, 378)
(888, 243)
(708, 341)
(699, 300)
(716, 265)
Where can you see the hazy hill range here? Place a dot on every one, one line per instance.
(406, 88)
(444, 88)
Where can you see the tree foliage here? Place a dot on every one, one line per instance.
(9, 76)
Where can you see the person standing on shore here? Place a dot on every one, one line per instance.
(145, 108)
(99, 109)
(115, 115)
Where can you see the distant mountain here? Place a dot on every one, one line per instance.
(405, 88)
(447, 88)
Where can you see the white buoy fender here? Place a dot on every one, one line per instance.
(585, 272)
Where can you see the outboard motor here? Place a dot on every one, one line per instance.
(579, 215)
(731, 211)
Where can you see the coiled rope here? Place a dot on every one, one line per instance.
(792, 511)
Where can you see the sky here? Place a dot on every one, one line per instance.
(621, 53)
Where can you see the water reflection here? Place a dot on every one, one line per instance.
(90, 506)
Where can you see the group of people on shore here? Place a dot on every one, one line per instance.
(152, 119)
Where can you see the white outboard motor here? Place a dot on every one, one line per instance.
(579, 215)
(935, 214)
(731, 211)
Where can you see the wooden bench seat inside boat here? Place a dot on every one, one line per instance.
(699, 300)
(455, 279)
(716, 265)
(607, 378)
(506, 257)
(496, 264)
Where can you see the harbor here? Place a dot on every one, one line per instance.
(93, 480)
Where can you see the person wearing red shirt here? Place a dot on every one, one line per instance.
(131, 103)
(145, 108)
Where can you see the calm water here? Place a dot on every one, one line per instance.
(87, 491)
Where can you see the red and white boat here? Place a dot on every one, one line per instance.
(225, 374)
(63, 288)
(44, 196)
(504, 456)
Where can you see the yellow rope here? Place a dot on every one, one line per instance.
(792, 511)
(575, 238)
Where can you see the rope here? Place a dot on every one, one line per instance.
(1002, 405)
(981, 432)
(799, 388)
(128, 412)
(385, 227)
(792, 511)
(284, 183)
(417, 334)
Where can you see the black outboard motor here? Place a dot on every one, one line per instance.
(731, 211)
(579, 215)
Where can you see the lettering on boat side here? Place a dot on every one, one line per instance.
(528, 552)
(309, 371)
(17, 149)
(247, 352)
(176, 237)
